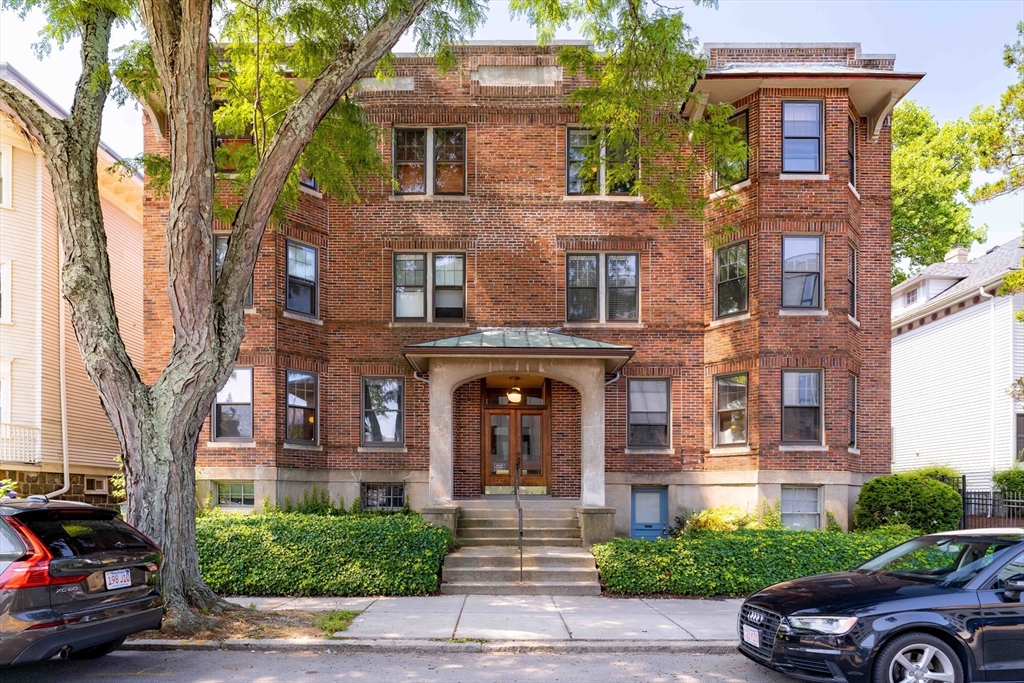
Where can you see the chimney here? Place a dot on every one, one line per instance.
(957, 254)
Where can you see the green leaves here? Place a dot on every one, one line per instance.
(915, 499)
(1000, 131)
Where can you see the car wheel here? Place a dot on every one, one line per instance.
(97, 650)
(918, 658)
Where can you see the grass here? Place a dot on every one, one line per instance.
(332, 622)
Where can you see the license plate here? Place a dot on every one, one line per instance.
(120, 578)
(751, 636)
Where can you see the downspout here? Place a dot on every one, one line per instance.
(992, 389)
(416, 375)
(61, 326)
(614, 379)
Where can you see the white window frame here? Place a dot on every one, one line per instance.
(8, 177)
(602, 289)
(906, 297)
(822, 130)
(429, 161)
(791, 487)
(94, 490)
(243, 505)
(6, 293)
(428, 287)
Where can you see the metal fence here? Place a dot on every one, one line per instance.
(992, 509)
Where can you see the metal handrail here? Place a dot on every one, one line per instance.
(519, 508)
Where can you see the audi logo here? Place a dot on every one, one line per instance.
(755, 617)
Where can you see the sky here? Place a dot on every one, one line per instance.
(957, 43)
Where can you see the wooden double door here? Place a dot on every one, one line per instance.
(516, 438)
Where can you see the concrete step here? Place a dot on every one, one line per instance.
(514, 541)
(526, 588)
(511, 574)
(513, 522)
(505, 557)
(513, 532)
(528, 502)
(513, 514)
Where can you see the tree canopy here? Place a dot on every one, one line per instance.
(1000, 131)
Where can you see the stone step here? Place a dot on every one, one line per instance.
(534, 557)
(513, 514)
(526, 588)
(511, 574)
(513, 522)
(528, 503)
(514, 541)
(513, 532)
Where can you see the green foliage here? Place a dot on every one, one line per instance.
(8, 487)
(304, 554)
(931, 177)
(724, 518)
(920, 502)
(731, 564)
(771, 515)
(1010, 481)
(941, 473)
(332, 622)
(831, 525)
(999, 131)
(117, 485)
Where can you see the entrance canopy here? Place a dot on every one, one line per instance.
(533, 343)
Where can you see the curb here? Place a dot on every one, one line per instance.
(273, 645)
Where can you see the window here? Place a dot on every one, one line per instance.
(801, 137)
(96, 485)
(731, 410)
(851, 281)
(801, 406)
(302, 407)
(383, 496)
(731, 280)
(910, 297)
(597, 181)
(801, 278)
(308, 180)
(236, 493)
(301, 279)
(383, 411)
(220, 250)
(414, 286)
(6, 177)
(232, 409)
(727, 174)
(851, 150)
(852, 408)
(648, 412)
(6, 293)
(608, 294)
(446, 172)
(1020, 437)
(801, 508)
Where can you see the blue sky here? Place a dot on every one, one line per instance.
(957, 43)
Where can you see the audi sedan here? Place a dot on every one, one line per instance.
(940, 608)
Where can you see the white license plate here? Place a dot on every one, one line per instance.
(751, 636)
(119, 578)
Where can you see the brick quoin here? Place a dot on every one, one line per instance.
(515, 227)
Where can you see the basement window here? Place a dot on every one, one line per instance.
(383, 496)
(238, 493)
(96, 485)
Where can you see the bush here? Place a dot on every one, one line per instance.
(725, 518)
(941, 473)
(1010, 482)
(731, 564)
(291, 554)
(920, 502)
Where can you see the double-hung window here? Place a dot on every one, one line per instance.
(301, 279)
(220, 251)
(232, 410)
(602, 287)
(648, 412)
(801, 277)
(383, 407)
(436, 277)
(731, 409)
(801, 406)
(852, 410)
(851, 281)
(430, 161)
(801, 507)
(731, 280)
(851, 150)
(302, 402)
(730, 173)
(802, 135)
(611, 173)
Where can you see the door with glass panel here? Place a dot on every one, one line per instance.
(515, 438)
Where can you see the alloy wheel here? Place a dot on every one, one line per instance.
(920, 663)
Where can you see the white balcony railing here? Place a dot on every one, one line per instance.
(19, 443)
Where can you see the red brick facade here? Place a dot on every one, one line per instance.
(515, 226)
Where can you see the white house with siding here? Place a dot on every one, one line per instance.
(46, 399)
(956, 349)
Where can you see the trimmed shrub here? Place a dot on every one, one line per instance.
(731, 564)
(1010, 482)
(941, 473)
(305, 554)
(919, 502)
(725, 518)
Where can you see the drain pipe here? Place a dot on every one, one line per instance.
(614, 379)
(62, 328)
(992, 389)
(416, 374)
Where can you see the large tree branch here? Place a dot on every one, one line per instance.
(94, 83)
(35, 120)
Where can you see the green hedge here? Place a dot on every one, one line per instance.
(731, 564)
(293, 554)
(912, 499)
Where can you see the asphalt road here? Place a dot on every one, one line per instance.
(224, 667)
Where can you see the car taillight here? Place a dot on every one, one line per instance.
(33, 569)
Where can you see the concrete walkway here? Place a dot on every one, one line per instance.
(524, 618)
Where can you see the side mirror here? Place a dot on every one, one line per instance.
(1013, 586)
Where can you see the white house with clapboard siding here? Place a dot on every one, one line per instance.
(39, 399)
(956, 349)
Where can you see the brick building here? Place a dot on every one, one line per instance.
(492, 309)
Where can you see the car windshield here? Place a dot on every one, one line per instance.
(945, 561)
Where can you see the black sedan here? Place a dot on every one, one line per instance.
(945, 607)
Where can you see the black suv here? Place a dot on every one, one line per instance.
(74, 581)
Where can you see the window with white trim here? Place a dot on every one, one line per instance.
(649, 412)
(236, 493)
(910, 297)
(6, 177)
(383, 496)
(801, 507)
(232, 408)
(801, 406)
(731, 409)
(430, 161)
(301, 279)
(602, 287)
(429, 276)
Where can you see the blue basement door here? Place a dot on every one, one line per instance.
(650, 513)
